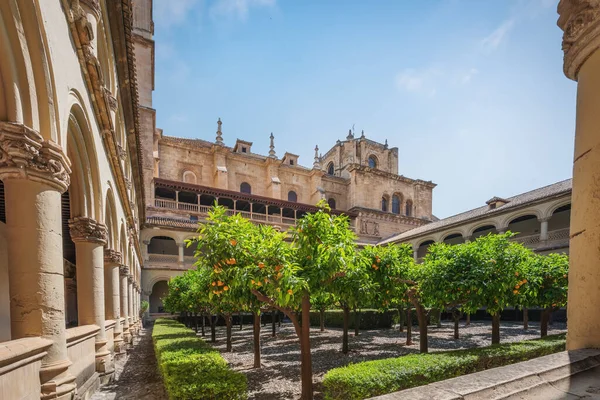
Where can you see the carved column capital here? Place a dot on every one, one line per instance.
(110, 99)
(112, 257)
(121, 152)
(123, 270)
(25, 154)
(580, 22)
(84, 229)
(130, 279)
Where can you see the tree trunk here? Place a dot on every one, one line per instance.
(228, 325)
(408, 328)
(496, 328)
(213, 330)
(256, 332)
(356, 322)
(241, 320)
(456, 317)
(422, 318)
(196, 322)
(322, 319)
(401, 319)
(345, 330)
(307, 385)
(544, 322)
(273, 328)
(203, 323)
(438, 316)
(468, 323)
(525, 318)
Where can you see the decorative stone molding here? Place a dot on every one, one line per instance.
(93, 5)
(110, 99)
(84, 229)
(122, 153)
(130, 278)
(25, 154)
(123, 270)
(580, 22)
(369, 227)
(128, 184)
(112, 257)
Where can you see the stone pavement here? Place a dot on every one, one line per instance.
(137, 376)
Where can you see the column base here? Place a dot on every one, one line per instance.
(119, 345)
(104, 360)
(56, 382)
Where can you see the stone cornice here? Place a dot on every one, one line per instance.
(84, 229)
(120, 17)
(580, 22)
(112, 257)
(25, 155)
(386, 216)
(389, 175)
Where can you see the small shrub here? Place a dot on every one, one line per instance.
(191, 368)
(373, 378)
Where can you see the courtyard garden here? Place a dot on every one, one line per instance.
(315, 268)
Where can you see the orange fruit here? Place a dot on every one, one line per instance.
(214, 284)
(290, 291)
(261, 265)
(225, 288)
(233, 242)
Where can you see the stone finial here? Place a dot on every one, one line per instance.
(385, 146)
(580, 22)
(350, 135)
(338, 142)
(219, 139)
(272, 146)
(84, 229)
(317, 163)
(362, 134)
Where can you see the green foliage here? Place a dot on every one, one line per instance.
(544, 281)
(373, 378)
(369, 319)
(192, 369)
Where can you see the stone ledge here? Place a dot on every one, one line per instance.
(14, 351)
(511, 381)
(80, 333)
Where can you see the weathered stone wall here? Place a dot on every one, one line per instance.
(4, 295)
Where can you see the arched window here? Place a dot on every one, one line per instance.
(409, 206)
(372, 162)
(395, 204)
(331, 203)
(245, 188)
(292, 196)
(384, 204)
(330, 169)
(189, 177)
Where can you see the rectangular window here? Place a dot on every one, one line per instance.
(243, 149)
(291, 162)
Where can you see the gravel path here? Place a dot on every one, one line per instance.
(279, 378)
(137, 376)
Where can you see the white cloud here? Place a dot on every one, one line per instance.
(491, 42)
(418, 81)
(466, 77)
(238, 8)
(172, 12)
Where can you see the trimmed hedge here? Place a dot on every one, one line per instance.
(369, 319)
(191, 368)
(373, 378)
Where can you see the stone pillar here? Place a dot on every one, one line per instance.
(181, 249)
(580, 21)
(123, 272)
(145, 253)
(467, 239)
(89, 237)
(130, 304)
(112, 298)
(544, 229)
(35, 173)
(415, 253)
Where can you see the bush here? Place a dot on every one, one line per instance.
(373, 378)
(192, 369)
(369, 319)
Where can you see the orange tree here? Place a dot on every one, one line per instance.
(179, 299)
(388, 268)
(243, 256)
(544, 283)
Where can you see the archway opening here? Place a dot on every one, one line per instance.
(455, 238)
(561, 218)
(525, 225)
(422, 250)
(159, 291)
(483, 230)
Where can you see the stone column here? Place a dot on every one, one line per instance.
(415, 253)
(112, 298)
(544, 229)
(181, 247)
(123, 272)
(35, 173)
(580, 21)
(130, 304)
(89, 237)
(145, 254)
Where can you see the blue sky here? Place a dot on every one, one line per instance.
(471, 92)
